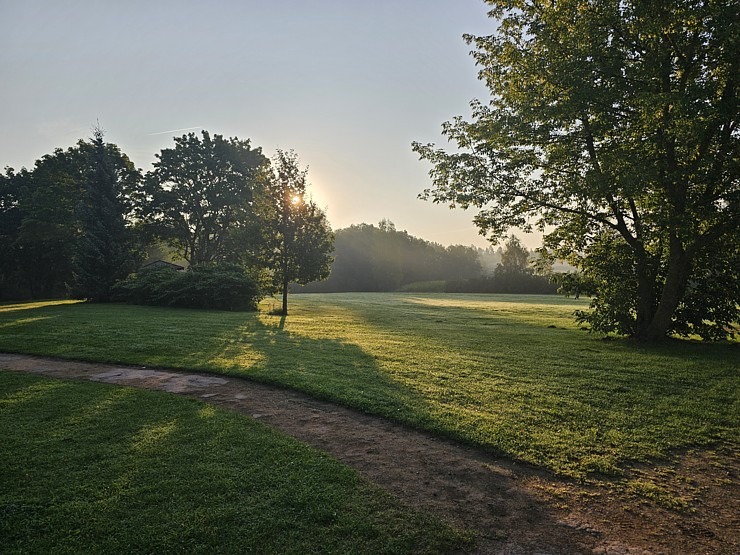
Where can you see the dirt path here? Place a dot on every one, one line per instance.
(513, 508)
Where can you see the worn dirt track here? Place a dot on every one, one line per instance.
(513, 508)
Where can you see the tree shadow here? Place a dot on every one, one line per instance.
(100, 460)
(611, 401)
(328, 369)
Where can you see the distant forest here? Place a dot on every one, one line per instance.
(381, 258)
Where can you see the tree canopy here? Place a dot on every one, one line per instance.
(47, 210)
(200, 192)
(76, 223)
(298, 240)
(613, 127)
(107, 249)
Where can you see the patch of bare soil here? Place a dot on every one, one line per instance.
(688, 506)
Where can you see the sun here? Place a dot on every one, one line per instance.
(296, 199)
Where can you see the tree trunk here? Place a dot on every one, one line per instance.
(285, 279)
(285, 296)
(645, 292)
(675, 283)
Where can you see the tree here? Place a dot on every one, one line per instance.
(106, 250)
(613, 125)
(11, 216)
(46, 213)
(516, 272)
(298, 238)
(48, 228)
(10, 222)
(514, 258)
(200, 192)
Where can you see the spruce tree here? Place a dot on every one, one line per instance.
(105, 252)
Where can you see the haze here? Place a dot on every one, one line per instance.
(347, 84)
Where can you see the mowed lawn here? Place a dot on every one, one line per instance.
(513, 374)
(93, 468)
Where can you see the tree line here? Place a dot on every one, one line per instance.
(381, 258)
(518, 271)
(79, 222)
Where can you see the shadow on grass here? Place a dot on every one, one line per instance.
(328, 369)
(553, 397)
(91, 468)
(562, 398)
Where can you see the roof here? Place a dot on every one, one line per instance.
(163, 264)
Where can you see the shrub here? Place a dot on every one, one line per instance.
(208, 286)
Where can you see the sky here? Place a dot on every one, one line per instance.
(347, 84)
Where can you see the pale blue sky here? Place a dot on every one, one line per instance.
(348, 84)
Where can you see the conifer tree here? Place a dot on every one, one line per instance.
(105, 252)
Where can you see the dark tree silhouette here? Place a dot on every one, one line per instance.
(200, 193)
(107, 249)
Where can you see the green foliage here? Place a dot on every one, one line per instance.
(11, 216)
(614, 127)
(106, 251)
(381, 258)
(205, 286)
(709, 307)
(512, 374)
(66, 222)
(41, 224)
(74, 223)
(200, 194)
(515, 274)
(92, 468)
(297, 239)
(514, 258)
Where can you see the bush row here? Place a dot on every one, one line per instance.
(515, 283)
(213, 286)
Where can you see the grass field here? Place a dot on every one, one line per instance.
(510, 373)
(90, 468)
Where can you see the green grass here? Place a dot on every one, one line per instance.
(510, 373)
(92, 468)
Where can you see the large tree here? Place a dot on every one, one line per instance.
(11, 216)
(49, 211)
(298, 240)
(43, 242)
(200, 192)
(613, 126)
(107, 249)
